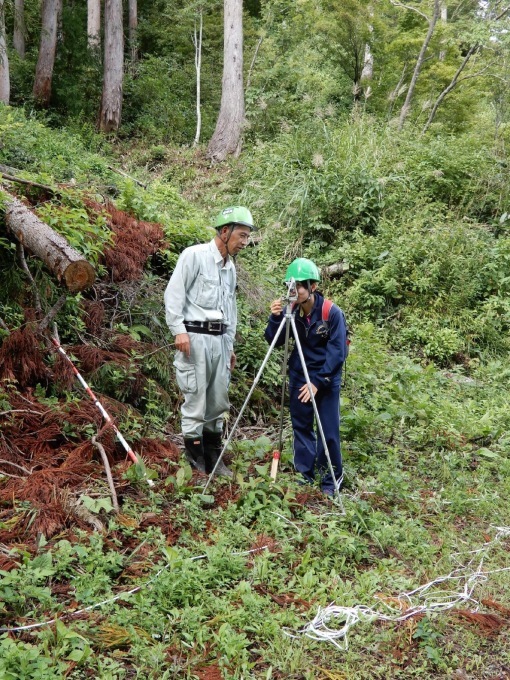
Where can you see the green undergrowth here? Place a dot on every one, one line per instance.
(427, 483)
(423, 226)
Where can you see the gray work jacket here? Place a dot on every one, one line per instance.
(202, 288)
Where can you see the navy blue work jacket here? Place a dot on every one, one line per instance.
(323, 344)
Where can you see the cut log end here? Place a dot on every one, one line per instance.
(79, 275)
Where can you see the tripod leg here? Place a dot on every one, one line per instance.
(284, 376)
(317, 418)
(254, 385)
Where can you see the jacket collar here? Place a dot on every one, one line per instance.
(317, 305)
(218, 257)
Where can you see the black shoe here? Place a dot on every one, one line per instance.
(194, 452)
(212, 448)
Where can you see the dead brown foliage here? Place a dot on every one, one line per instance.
(212, 672)
(283, 599)
(44, 460)
(492, 604)
(21, 358)
(134, 242)
(486, 623)
(94, 317)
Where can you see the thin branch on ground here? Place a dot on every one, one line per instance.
(19, 410)
(108, 471)
(19, 180)
(52, 313)
(21, 256)
(124, 174)
(20, 467)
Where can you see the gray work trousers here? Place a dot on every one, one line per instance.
(203, 378)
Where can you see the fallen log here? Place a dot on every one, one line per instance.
(334, 270)
(63, 260)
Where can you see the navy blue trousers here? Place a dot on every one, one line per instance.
(309, 457)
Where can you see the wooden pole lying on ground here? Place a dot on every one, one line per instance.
(63, 260)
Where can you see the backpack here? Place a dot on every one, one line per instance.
(326, 308)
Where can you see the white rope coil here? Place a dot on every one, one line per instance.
(422, 600)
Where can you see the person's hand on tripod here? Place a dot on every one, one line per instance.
(276, 307)
(304, 393)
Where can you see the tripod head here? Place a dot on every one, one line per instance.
(292, 294)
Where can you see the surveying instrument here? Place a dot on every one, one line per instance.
(288, 321)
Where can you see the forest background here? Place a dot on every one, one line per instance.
(369, 136)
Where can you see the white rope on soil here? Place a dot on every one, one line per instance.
(124, 594)
(427, 598)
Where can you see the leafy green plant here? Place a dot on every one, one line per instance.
(72, 221)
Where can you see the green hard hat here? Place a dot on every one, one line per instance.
(235, 214)
(302, 269)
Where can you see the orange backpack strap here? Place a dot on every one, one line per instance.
(326, 308)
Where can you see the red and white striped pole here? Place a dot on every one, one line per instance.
(100, 407)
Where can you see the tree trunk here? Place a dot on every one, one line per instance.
(419, 63)
(5, 84)
(66, 263)
(334, 270)
(133, 31)
(444, 20)
(197, 41)
(111, 104)
(19, 27)
(449, 88)
(94, 25)
(51, 10)
(227, 135)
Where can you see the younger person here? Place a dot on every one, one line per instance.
(324, 346)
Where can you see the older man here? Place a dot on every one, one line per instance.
(201, 313)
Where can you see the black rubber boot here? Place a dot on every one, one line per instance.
(212, 448)
(194, 452)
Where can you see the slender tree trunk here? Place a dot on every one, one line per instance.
(51, 10)
(227, 135)
(449, 88)
(252, 65)
(419, 63)
(5, 85)
(19, 27)
(444, 20)
(397, 91)
(368, 64)
(111, 104)
(197, 41)
(94, 25)
(133, 31)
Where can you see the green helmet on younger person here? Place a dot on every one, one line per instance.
(235, 214)
(302, 269)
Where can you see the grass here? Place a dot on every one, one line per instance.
(422, 493)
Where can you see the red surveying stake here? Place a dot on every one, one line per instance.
(274, 465)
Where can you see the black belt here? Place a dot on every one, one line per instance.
(208, 327)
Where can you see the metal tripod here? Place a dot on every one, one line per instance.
(289, 322)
